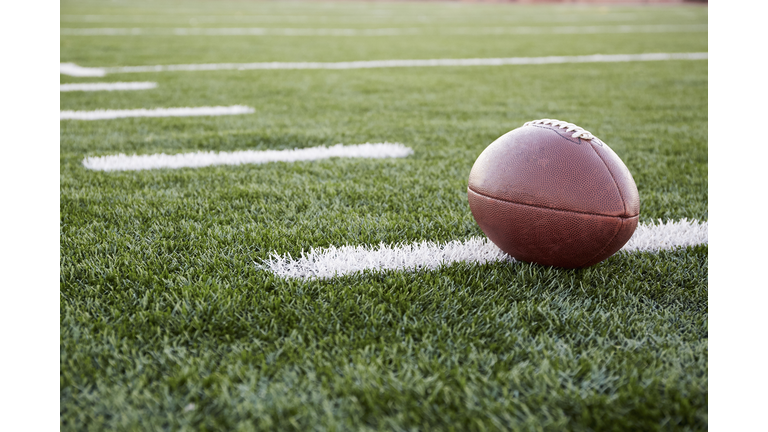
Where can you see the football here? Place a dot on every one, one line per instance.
(552, 193)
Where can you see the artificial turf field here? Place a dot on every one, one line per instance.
(167, 320)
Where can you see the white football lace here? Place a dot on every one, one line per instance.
(569, 127)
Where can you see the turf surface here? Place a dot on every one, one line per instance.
(168, 323)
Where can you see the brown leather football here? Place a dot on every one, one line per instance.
(552, 193)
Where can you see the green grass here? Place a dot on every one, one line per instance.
(162, 305)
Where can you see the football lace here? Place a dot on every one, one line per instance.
(569, 127)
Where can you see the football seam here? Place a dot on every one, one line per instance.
(551, 208)
(610, 242)
(615, 183)
(555, 130)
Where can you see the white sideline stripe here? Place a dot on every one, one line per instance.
(122, 162)
(357, 18)
(397, 31)
(337, 261)
(156, 112)
(595, 58)
(72, 69)
(107, 86)
(658, 28)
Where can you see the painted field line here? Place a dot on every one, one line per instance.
(338, 261)
(123, 162)
(107, 86)
(354, 18)
(557, 30)
(72, 69)
(370, 64)
(155, 112)
(395, 31)
(235, 31)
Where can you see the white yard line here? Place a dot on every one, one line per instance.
(72, 69)
(156, 112)
(75, 70)
(378, 17)
(337, 261)
(107, 86)
(396, 31)
(123, 162)
(656, 28)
